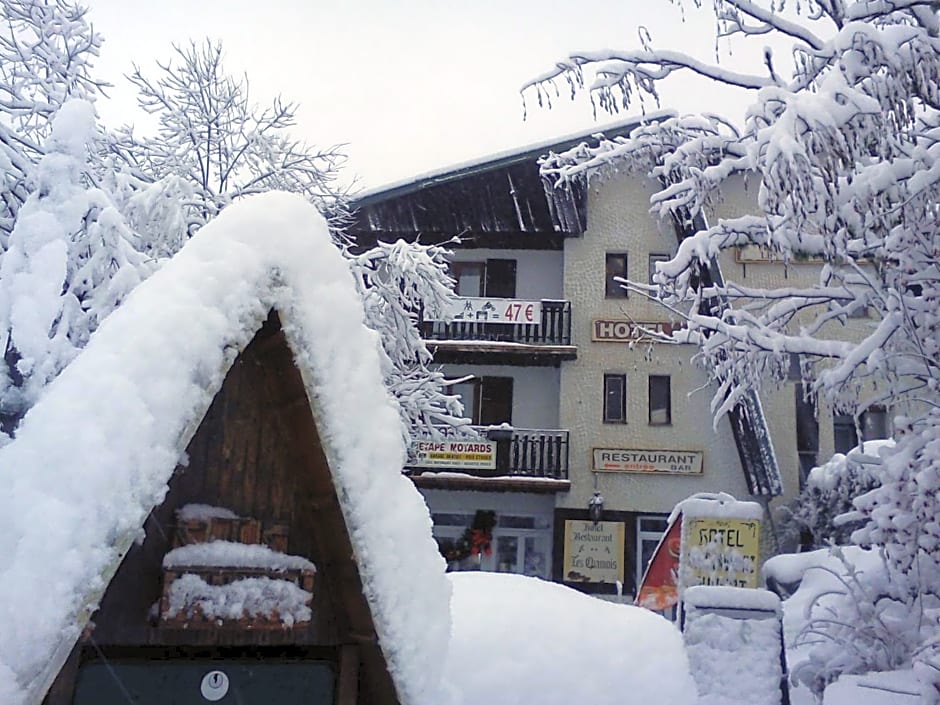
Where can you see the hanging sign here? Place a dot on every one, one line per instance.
(606, 331)
(593, 552)
(485, 310)
(667, 462)
(464, 454)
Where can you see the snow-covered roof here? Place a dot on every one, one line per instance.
(498, 159)
(94, 456)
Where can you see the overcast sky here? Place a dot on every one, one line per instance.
(409, 86)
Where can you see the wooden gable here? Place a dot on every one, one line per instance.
(257, 452)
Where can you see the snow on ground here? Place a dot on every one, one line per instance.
(819, 575)
(519, 641)
(93, 457)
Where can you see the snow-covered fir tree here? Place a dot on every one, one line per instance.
(69, 262)
(47, 49)
(845, 142)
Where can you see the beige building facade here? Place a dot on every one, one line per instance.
(588, 406)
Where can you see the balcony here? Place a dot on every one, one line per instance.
(516, 457)
(507, 327)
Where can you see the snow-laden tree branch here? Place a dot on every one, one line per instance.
(224, 146)
(397, 281)
(843, 156)
(46, 52)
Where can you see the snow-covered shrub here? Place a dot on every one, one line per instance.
(817, 512)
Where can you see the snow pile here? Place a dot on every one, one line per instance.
(94, 455)
(734, 659)
(828, 601)
(228, 554)
(841, 468)
(719, 505)
(520, 640)
(246, 598)
(203, 512)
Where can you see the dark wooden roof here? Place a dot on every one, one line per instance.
(500, 197)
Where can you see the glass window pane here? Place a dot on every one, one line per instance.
(508, 521)
(616, 267)
(845, 437)
(536, 557)
(875, 423)
(469, 277)
(507, 554)
(615, 398)
(660, 400)
(452, 519)
(654, 524)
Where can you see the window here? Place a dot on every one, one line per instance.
(520, 543)
(615, 398)
(653, 260)
(660, 400)
(616, 267)
(873, 422)
(469, 278)
(494, 278)
(844, 435)
(649, 532)
(486, 400)
(807, 431)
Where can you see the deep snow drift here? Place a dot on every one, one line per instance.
(520, 641)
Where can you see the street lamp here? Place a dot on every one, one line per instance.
(596, 507)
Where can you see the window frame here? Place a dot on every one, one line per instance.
(650, 536)
(668, 421)
(608, 417)
(612, 289)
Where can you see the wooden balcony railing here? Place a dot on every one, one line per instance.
(520, 452)
(554, 328)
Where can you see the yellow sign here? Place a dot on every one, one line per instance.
(462, 455)
(721, 552)
(593, 552)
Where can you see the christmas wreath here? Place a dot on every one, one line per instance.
(476, 540)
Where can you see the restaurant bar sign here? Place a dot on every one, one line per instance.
(664, 462)
(484, 310)
(605, 331)
(463, 454)
(593, 551)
